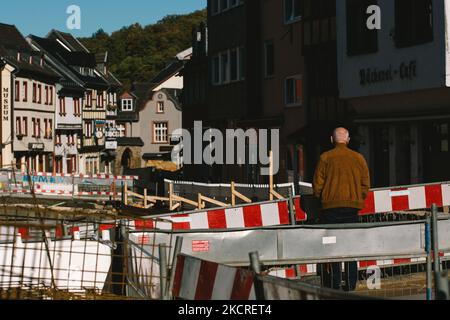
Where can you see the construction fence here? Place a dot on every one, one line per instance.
(61, 253)
(48, 184)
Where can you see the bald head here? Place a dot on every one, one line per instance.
(340, 135)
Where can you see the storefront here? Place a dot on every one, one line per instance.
(398, 87)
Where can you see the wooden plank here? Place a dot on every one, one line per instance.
(242, 197)
(277, 195)
(178, 198)
(136, 195)
(156, 198)
(216, 202)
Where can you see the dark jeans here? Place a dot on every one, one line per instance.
(331, 274)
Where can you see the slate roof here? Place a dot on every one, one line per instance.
(11, 43)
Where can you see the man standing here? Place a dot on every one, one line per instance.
(341, 182)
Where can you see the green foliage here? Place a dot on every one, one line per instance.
(137, 54)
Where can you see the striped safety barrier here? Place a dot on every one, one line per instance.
(197, 279)
(247, 216)
(407, 198)
(59, 192)
(83, 176)
(311, 269)
(276, 213)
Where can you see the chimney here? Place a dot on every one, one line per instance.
(18, 55)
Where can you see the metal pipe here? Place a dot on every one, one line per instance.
(177, 251)
(163, 270)
(292, 213)
(429, 257)
(254, 262)
(256, 268)
(437, 264)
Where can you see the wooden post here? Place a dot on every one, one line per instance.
(145, 198)
(125, 193)
(271, 175)
(199, 200)
(170, 196)
(233, 196)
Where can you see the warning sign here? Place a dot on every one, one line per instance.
(200, 246)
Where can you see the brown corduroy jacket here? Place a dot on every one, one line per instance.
(342, 179)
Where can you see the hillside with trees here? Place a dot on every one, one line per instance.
(137, 53)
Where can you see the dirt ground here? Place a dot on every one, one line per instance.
(410, 285)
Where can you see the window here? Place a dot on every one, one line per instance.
(46, 95)
(292, 10)
(71, 139)
(38, 128)
(51, 96)
(50, 129)
(33, 122)
(360, 39)
(223, 5)
(34, 92)
(228, 66)
(413, 22)
(218, 6)
(160, 107)
(17, 91)
(18, 126)
(58, 140)
(46, 129)
(76, 107)
(294, 91)
(225, 67)
(269, 59)
(216, 70)
(127, 105)
(234, 61)
(215, 6)
(88, 129)
(88, 99)
(39, 93)
(62, 106)
(242, 63)
(25, 126)
(25, 91)
(160, 132)
(100, 97)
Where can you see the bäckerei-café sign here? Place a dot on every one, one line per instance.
(404, 71)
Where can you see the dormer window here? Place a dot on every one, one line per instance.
(127, 104)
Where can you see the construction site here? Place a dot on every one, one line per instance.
(104, 239)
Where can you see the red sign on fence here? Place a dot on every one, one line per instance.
(200, 246)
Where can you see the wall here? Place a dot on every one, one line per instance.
(30, 109)
(6, 102)
(148, 115)
(430, 57)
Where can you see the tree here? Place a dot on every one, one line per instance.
(137, 53)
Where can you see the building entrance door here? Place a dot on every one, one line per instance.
(380, 158)
(436, 151)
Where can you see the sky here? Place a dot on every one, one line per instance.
(38, 17)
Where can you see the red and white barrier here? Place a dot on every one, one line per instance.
(83, 176)
(60, 192)
(407, 198)
(241, 217)
(196, 279)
